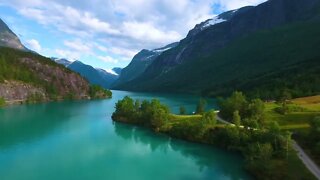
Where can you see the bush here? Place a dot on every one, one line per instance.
(183, 110)
(97, 92)
(2, 102)
(201, 107)
(34, 98)
(289, 108)
(149, 113)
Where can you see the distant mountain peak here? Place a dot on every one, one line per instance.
(62, 61)
(117, 70)
(9, 38)
(109, 71)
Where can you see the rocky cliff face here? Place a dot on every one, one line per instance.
(25, 76)
(15, 92)
(64, 81)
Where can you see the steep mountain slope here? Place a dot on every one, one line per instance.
(117, 70)
(139, 64)
(25, 76)
(94, 76)
(8, 38)
(249, 44)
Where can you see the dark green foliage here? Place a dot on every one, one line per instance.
(257, 151)
(201, 107)
(251, 113)
(314, 136)
(286, 108)
(149, 113)
(256, 110)
(237, 102)
(35, 98)
(2, 102)
(70, 96)
(266, 149)
(236, 119)
(183, 110)
(12, 68)
(210, 117)
(97, 92)
(310, 140)
(260, 144)
(261, 64)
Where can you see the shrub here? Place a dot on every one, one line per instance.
(2, 102)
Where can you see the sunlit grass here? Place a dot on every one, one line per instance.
(295, 120)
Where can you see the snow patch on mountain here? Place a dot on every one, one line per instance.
(213, 21)
(161, 50)
(110, 71)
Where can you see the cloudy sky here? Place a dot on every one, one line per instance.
(107, 33)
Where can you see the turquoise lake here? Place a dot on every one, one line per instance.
(78, 140)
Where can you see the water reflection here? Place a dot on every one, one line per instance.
(22, 124)
(206, 157)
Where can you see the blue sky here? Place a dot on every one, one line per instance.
(107, 33)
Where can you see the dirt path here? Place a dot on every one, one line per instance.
(307, 160)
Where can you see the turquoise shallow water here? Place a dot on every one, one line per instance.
(78, 140)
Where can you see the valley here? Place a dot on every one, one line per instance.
(160, 90)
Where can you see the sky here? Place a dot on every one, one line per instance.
(107, 33)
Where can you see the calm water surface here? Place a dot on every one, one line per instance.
(78, 140)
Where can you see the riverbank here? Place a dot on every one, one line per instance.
(17, 93)
(264, 159)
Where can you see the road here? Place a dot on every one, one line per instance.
(307, 160)
(313, 168)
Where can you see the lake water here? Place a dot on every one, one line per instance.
(78, 140)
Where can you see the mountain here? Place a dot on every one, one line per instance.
(94, 76)
(25, 76)
(260, 49)
(62, 61)
(139, 64)
(117, 70)
(9, 39)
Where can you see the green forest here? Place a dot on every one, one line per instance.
(263, 141)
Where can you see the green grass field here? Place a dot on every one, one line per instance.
(298, 122)
(310, 108)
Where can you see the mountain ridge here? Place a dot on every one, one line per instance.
(140, 63)
(8, 38)
(172, 70)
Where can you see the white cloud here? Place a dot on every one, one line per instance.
(119, 28)
(108, 59)
(71, 55)
(78, 45)
(126, 53)
(147, 32)
(33, 45)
